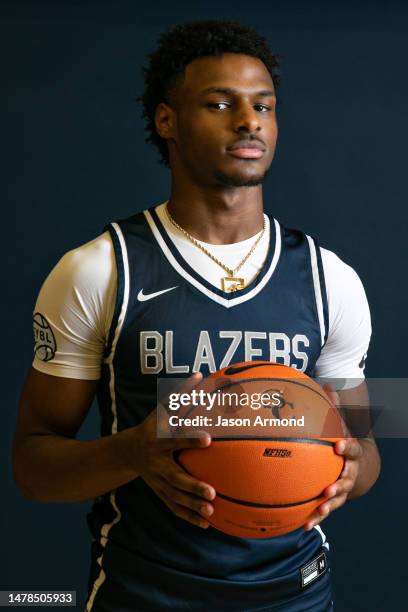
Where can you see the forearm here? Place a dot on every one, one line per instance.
(369, 469)
(53, 468)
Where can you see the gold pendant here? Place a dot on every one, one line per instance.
(230, 284)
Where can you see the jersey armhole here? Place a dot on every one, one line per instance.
(122, 291)
(319, 288)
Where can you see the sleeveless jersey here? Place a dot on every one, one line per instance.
(170, 322)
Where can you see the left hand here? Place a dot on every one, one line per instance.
(336, 494)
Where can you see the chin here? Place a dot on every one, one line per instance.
(239, 180)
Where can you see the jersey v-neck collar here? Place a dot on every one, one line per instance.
(179, 263)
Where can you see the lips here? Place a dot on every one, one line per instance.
(246, 149)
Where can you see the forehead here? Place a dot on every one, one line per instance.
(234, 70)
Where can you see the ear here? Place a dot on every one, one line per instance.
(165, 121)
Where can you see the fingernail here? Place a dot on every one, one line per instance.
(208, 493)
(207, 510)
(342, 446)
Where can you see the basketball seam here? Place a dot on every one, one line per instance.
(242, 502)
(277, 439)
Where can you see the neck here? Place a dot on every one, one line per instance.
(218, 217)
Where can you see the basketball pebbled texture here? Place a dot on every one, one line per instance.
(271, 484)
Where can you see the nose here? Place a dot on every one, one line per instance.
(246, 118)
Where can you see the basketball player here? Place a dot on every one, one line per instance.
(180, 290)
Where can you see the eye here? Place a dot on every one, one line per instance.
(266, 108)
(217, 104)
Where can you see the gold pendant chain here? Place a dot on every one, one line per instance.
(228, 283)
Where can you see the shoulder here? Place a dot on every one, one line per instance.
(343, 355)
(90, 261)
(85, 272)
(345, 290)
(84, 282)
(333, 265)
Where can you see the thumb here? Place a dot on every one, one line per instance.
(201, 439)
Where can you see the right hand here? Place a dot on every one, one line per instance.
(183, 494)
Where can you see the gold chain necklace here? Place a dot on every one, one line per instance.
(231, 282)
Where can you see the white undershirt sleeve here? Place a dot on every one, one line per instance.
(75, 305)
(344, 354)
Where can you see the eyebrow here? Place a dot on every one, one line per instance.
(229, 91)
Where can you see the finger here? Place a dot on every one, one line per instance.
(177, 477)
(328, 508)
(183, 512)
(331, 490)
(350, 470)
(345, 470)
(349, 448)
(316, 517)
(336, 502)
(332, 504)
(202, 440)
(343, 485)
(323, 511)
(191, 502)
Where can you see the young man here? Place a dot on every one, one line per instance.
(180, 290)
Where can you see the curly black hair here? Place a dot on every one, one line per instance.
(186, 42)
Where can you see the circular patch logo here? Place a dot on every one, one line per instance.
(45, 345)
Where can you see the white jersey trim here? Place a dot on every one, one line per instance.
(126, 292)
(325, 543)
(317, 288)
(114, 429)
(211, 294)
(104, 540)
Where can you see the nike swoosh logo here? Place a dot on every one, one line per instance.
(143, 297)
(237, 369)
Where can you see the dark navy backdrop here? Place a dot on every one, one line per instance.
(74, 158)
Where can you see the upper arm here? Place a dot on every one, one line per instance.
(355, 407)
(73, 312)
(53, 405)
(342, 360)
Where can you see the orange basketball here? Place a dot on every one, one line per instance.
(268, 479)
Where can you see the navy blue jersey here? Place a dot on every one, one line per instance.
(170, 322)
